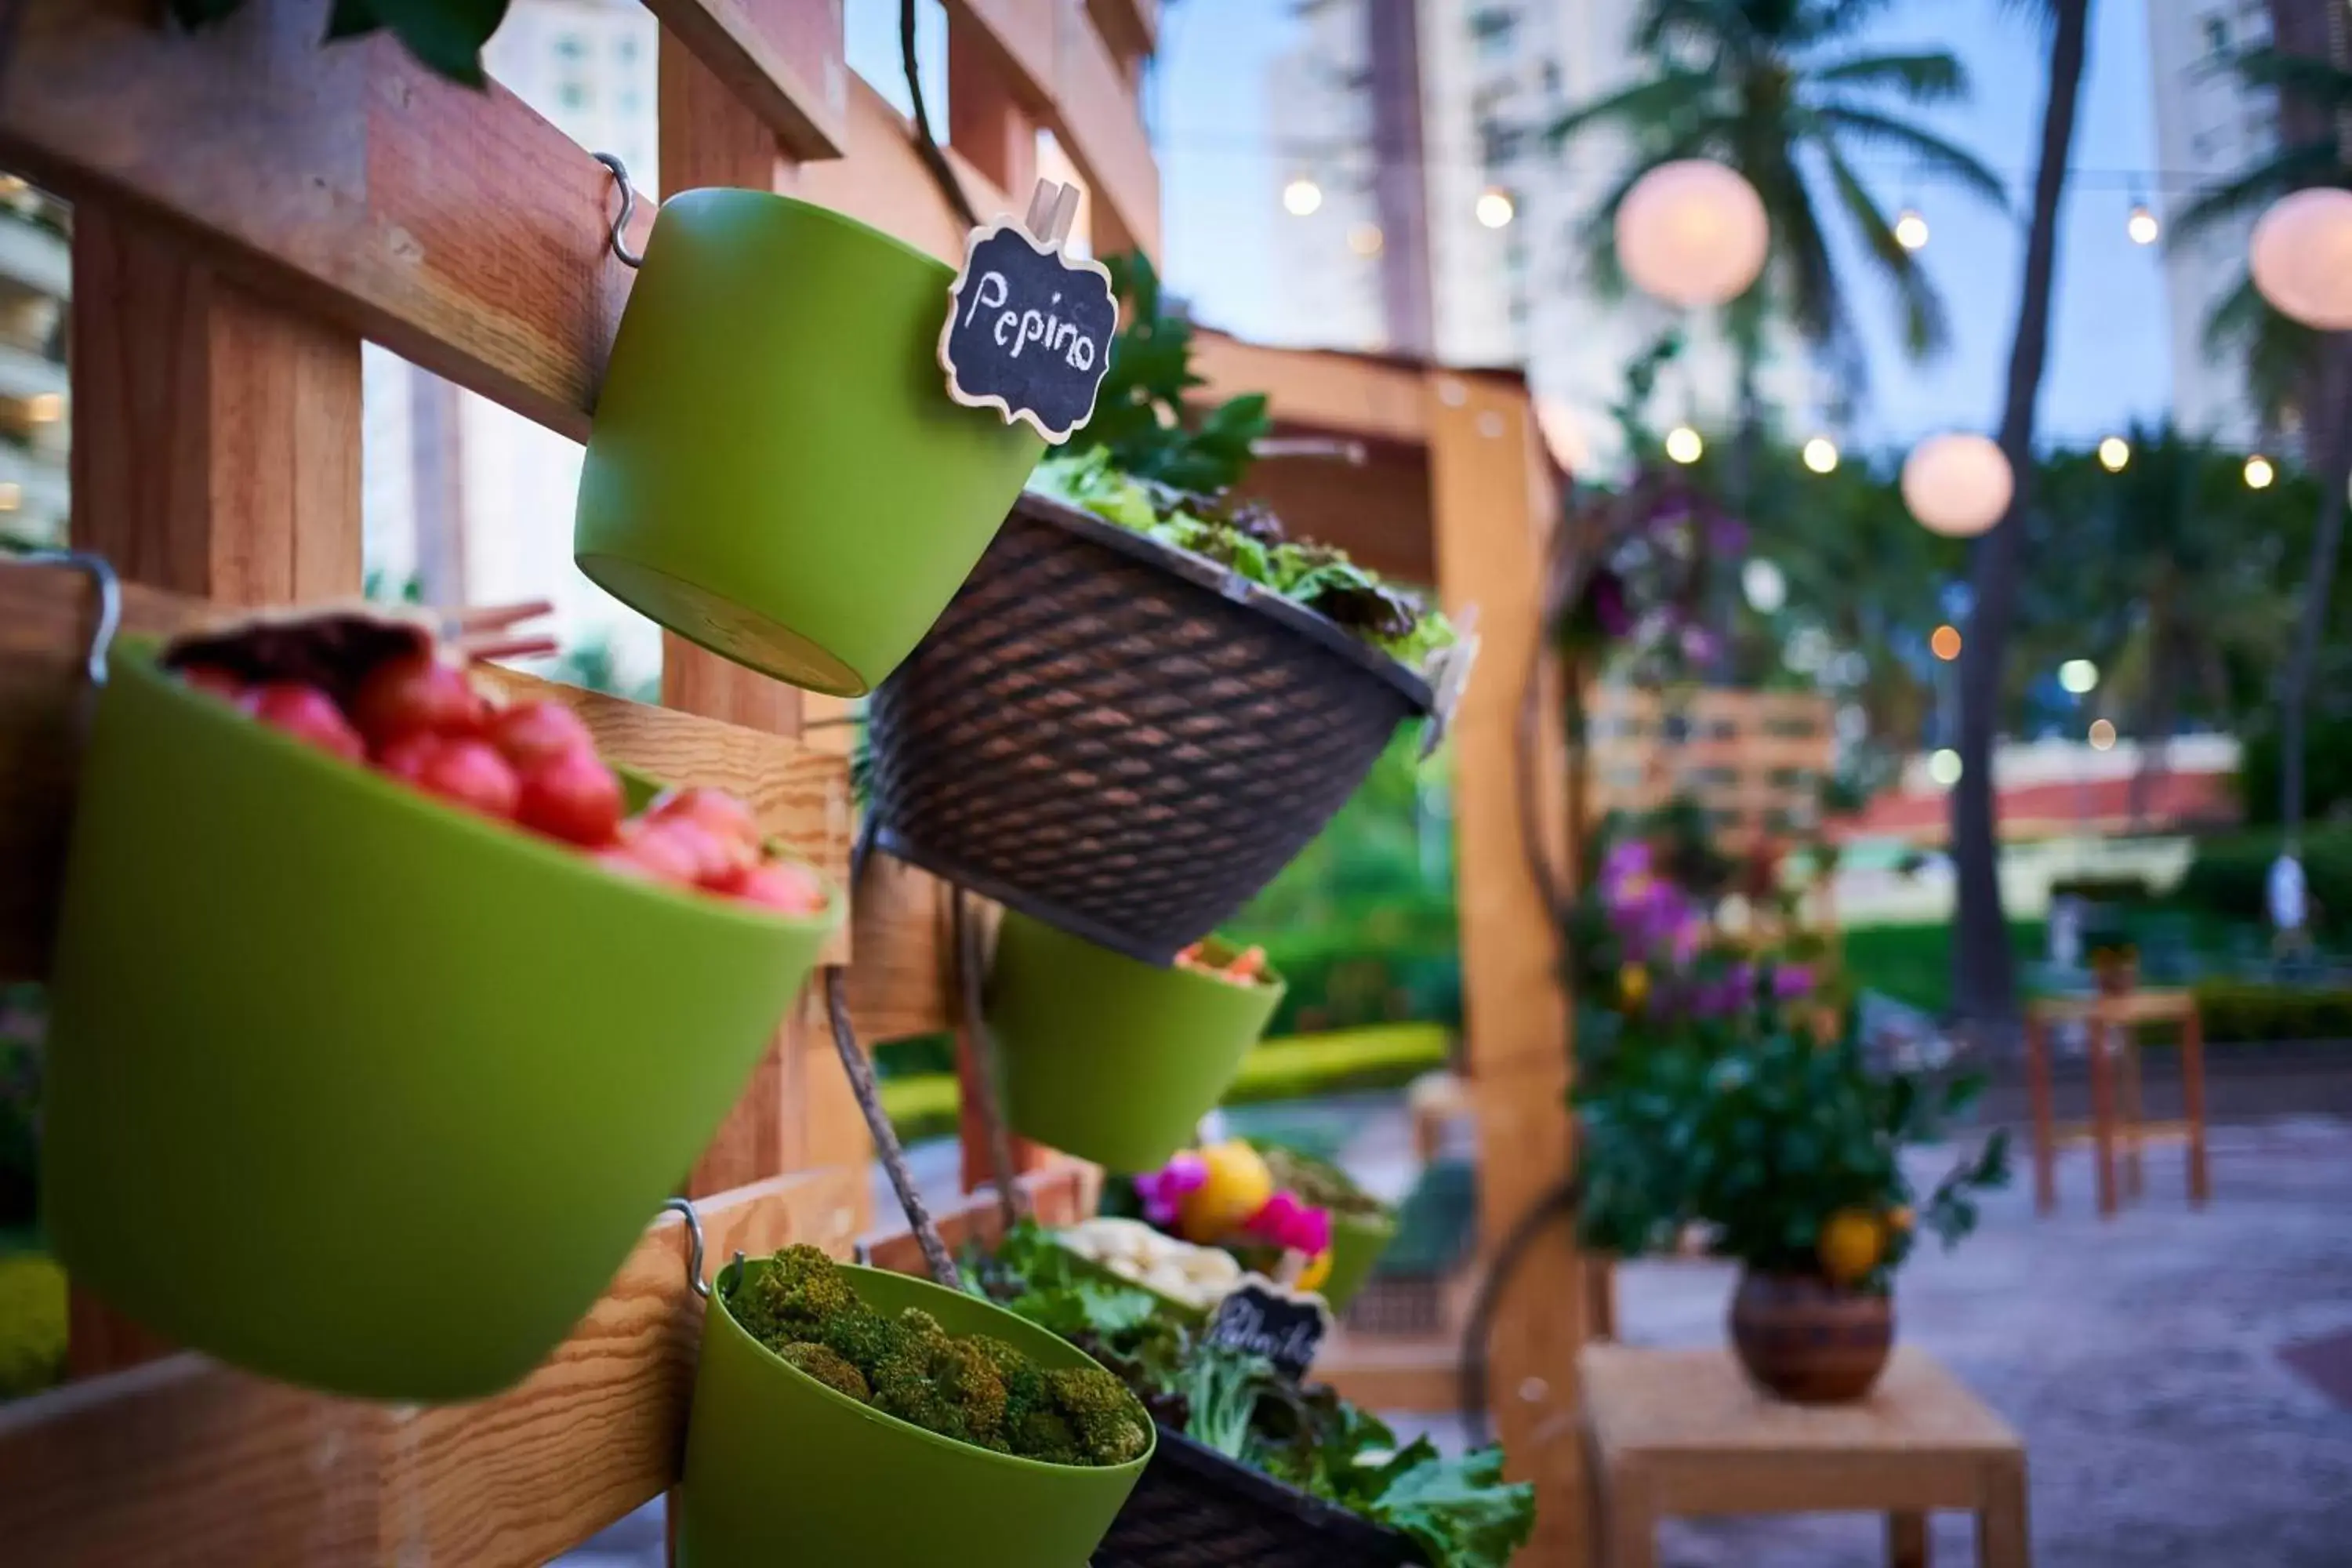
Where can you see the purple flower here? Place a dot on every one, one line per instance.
(1163, 1191)
(1698, 643)
(1791, 981)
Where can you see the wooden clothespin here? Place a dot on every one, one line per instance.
(1052, 210)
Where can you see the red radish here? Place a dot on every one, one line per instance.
(405, 758)
(570, 796)
(211, 678)
(1248, 966)
(668, 851)
(472, 774)
(412, 695)
(308, 714)
(781, 886)
(717, 813)
(531, 734)
(623, 862)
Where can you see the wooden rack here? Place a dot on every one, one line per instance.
(248, 206)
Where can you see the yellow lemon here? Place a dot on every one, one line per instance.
(1850, 1245)
(1311, 1278)
(1238, 1185)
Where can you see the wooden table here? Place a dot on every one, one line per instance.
(1679, 1434)
(2114, 1089)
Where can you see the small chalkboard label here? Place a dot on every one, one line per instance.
(1281, 1325)
(1029, 328)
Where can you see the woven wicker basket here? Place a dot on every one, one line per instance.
(1197, 1509)
(1122, 739)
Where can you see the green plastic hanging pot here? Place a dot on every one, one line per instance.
(776, 470)
(1357, 1242)
(1110, 1058)
(782, 1469)
(351, 1088)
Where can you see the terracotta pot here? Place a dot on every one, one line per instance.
(1807, 1341)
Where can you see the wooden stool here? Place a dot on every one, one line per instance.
(1681, 1434)
(2115, 1109)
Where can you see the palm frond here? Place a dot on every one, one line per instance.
(1927, 77)
(1927, 326)
(2257, 187)
(1870, 127)
(1641, 108)
(2320, 83)
(2278, 352)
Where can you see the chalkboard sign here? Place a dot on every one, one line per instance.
(1029, 331)
(1281, 1325)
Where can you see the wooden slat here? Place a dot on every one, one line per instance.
(456, 227)
(898, 986)
(188, 1462)
(1494, 504)
(801, 794)
(782, 60)
(1131, 27)
(1061, 1193)
(883, 181)
(1343, 394)
(1056, 62)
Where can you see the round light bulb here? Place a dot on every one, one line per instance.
(1692, 233)
(1944, 767)
(2078, 676)
(1302, 197)
(1365, 239)
(1911, 230)
(1683, 445)
(2113, 453)
(2261, 472)
(2102, 734)
(2142, 226)
(1957, 485)
(1494, 208)
(2302, 256)
(1766, 588)
(1944, 642)
(1820, 455)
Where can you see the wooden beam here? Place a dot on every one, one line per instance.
(1347, 395)
(1131, 27)
(782, 60)
(455, 227)
(883, 181)
(1495, 505)
(988, 123)
(189, 1462)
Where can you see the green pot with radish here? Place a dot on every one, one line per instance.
(356, 1087)
(776, 470)
(1362, 1226)
(852, 1415)
(1113, 1059)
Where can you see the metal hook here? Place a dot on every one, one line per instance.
(109, 600)
(628, 210)
(694, 1245)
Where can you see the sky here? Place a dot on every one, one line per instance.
(2110, 360)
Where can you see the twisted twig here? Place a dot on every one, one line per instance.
(926, 144)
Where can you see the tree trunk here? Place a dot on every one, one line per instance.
(2332, 459)
(1984, 974)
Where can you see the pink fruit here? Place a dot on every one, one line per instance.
(789, 888)
(471, 773)
(534, 733)
(570, 796)
(308, 714)
(717, 813)
(416, 695)
(669, 855)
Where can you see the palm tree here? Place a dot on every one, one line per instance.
(1984, 972)
(1769, 88)
(2291, 370)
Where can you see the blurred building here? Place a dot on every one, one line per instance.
(1439, 221)
(35, 282)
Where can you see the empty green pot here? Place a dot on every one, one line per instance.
(357, 1089)
(1357, 1243)
(1110, 1058)
(782, 1469)
(777, 472)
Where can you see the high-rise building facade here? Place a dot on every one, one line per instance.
(1440, 221)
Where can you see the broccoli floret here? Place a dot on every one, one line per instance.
(864, 1339)
(903, 1386)
(1042, 1434)
(828, 1367)
(1111, 1426)
(1024, 1385)
(967, 1378)
(799, 1291)
(921, 1331)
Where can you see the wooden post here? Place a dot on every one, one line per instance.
(797, 1112)
(2103, 1110)
(215, 451)
(2192, 1097)
(1494, 505)
(2037, 1082)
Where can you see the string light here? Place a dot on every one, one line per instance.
(1957, 485)
(2113, 453)
(1820, 455)
(1911, 230)
(45, 407)
(2078, 676)
(1301, 196)
(1683, 445)
(11, 497)
(1692, 233)
(1944, 767)
(2102, 734)
(1495, 209)
(1946, 642)
(1765, 589)
(2301, 255)
(1365, 239)
(2142, 226)
(2259, 472)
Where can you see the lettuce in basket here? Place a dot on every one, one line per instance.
(1247, 538)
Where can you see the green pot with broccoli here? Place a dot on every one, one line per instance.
(853, 1416)
(1113, 1059)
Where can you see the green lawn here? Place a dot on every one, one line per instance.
(1913, 963)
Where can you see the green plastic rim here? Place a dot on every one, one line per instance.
(776, 470)
(782, 1469)
(1110, 1058)
(356, 1089)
